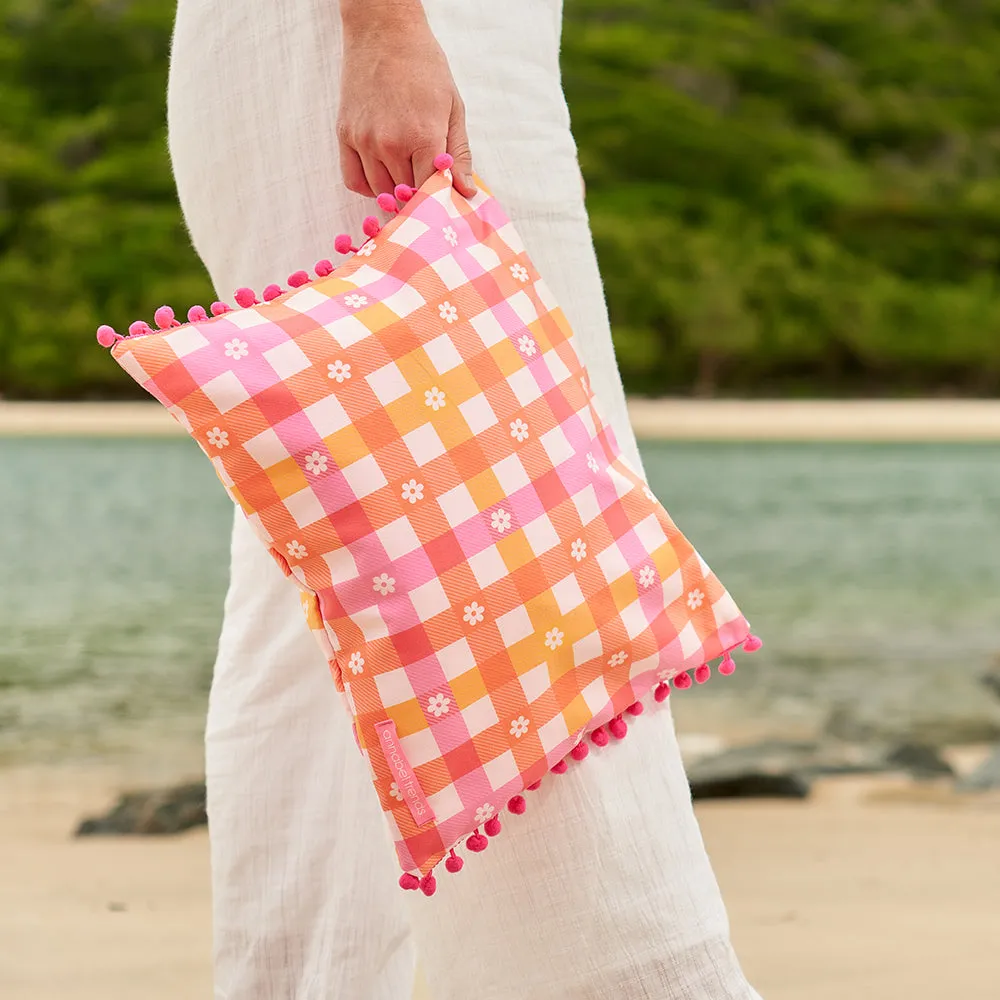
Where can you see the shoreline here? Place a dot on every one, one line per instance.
(669, 419)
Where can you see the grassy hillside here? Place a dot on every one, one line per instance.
(788, 196)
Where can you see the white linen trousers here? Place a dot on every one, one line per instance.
(603, 888)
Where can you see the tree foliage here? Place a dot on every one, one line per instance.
(788, 196)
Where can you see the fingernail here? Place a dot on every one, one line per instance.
(469, 181)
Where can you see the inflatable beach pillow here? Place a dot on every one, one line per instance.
(413, 437)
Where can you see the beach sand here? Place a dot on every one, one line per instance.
(662, 419)
(872, 890)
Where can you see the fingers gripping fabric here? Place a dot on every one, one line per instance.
(413, 436)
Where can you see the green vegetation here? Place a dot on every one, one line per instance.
(788, 196)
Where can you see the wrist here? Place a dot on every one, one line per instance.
(362, 18)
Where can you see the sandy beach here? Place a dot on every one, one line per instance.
(663, 419)
(872, 890)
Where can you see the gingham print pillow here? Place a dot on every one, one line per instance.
(413, 437)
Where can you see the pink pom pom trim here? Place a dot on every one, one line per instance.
(245, 297)
(517, 805)
(371, 226)
(534, 786)
(477, 842)
(703, 673)
(164, 318)
(492, 826)
(197, 314)
(408, 881)
(298, 279)
(618, 727)
(404, 192)
(662, 692)
(599, 737)
(323, 268)
(218, 308)
(342, 244)
(751, 644)
(271, 292)
(560, 768)
(106, 335)
(580, 751)
(443, 161)
(636, 708)
(682, 682)
(428, 884)
(454, 863)
(138, 328)
(387, 202)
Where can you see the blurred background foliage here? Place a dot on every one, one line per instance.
(789, 197)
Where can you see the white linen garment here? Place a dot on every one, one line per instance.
(603, 888)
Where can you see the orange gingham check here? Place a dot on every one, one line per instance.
(414, 439)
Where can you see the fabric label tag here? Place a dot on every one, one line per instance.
(406, 780)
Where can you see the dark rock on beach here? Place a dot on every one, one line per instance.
(750, 785)
(159, 811)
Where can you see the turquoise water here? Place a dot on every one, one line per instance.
(871, 571)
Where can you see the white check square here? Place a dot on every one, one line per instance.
(287, 359)
(514, 626)
(478, 413)
(388, 383)
(398, 538)
(443, 354)
(429, 599)
(364, 476)
(457, 505)
(305, 507)
(567, 593)
(225, 391)
(185, 340)
(327, 416)
(456, 659)
(342, 566)
(424, 444)
(488, 566)
(266, 448)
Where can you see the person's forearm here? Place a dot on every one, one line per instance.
(362, 16)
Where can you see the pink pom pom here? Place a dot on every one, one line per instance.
(492, 826)
(408, 881)
(682, 682)
(342, 244)
(580, 751)
(298, 279)
(599, 737)
(560, 768)
(618, 727)
(703, 673)
(245, 297)
(662, 692)
(138, 328)
(323, 268)
(371, 226)
(164, 318)
(387, 203)
(271, 292)
(443, 161)
(751, 644)
(218, 308)
(428, 884)
(404, 192)
(636, 708)
(454, 863)
(196, 314)
(534, 786)
(727, 666)
(477, 842)
(106, 335)
(517, 805)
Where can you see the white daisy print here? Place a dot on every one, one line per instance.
(356, 663)
(649, 495)
(695, 599)
(384, 584)
(434, 398)
(355, 301)
(448, 312)
(483, 813)
(554, 638)
(520, 272)
(617, 659)
(315, 463)
(218, 437)
(438, 705)
(296, 550)
(519, 726)
(578, 550)
(450, 235)
(413, 491)
(395, 792)
(474, 613)
(500, 520)
(519, 430)
(339, 371)
(647, 576)
(526, 345)
(237, 349)
(591, 462)
(366, 250)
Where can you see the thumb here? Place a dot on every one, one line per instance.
(458, 146)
